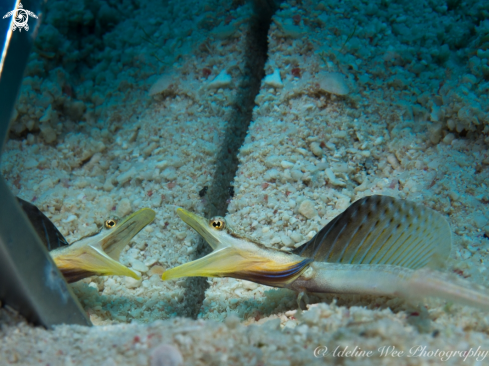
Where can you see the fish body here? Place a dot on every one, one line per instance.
(379, 245)
(47, 232)
(96, 255)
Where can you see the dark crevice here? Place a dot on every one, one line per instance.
(256, 47)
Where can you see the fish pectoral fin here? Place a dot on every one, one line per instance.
(236, 263)
(89, 261)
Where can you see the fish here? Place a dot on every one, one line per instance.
(379, 245)
(95, 255)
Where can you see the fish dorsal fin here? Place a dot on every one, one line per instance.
(382, 230)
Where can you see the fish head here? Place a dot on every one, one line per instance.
(215, 231)
(99, 254)
(237, 257)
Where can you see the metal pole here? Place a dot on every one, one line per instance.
(29, 280)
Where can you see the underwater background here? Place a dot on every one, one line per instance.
(287, 112)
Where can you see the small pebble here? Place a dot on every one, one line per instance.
(297, 237)
(286, 240)
(131, 282)
(306, 208)
(296, 174)
(449, 138)
(124, 207)
(276, 239)
(274, 80)
(316, 149)
(70, 218)
(332, 82)
(157, 270)
(291, 324)
(166, 355)
(30, 163)
(138, 265)
(392, 160)
(181, 235)
(480, 221)
(221, 80)
(287, 164)
(232, 321)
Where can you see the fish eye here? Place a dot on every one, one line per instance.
(218, 223)
(110, 223)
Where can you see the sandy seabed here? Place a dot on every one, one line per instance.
(358, 99)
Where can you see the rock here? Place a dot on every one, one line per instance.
(392, 160)
(273, 324)
(30, 163)
(166, 355)
(126, 176)
(289, 30)
(169, 173)
(131, 282)
(232, 321)
(480, 221)
(434, 132)
(287, 164)
(157, 270)
(207, 147)
(333, 82)
(316, 149)
(49, 115)
(221, 80)
(297, 237)
(332, 178)
(306, 209)
(163, 84)
(296, 174)
(124, 207)
(225, 31)
(449, 138)
(108, 186)
(138, 265)
(274, 80)
(48, 133)
(109, 362)
(286, 240)
(75, 110)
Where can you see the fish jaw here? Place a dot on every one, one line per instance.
(237, 263)
(86, 261)
(98, 255)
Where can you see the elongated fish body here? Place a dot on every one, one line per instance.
(96, 255)
(379, 245)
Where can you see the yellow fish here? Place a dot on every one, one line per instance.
(379, 245)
